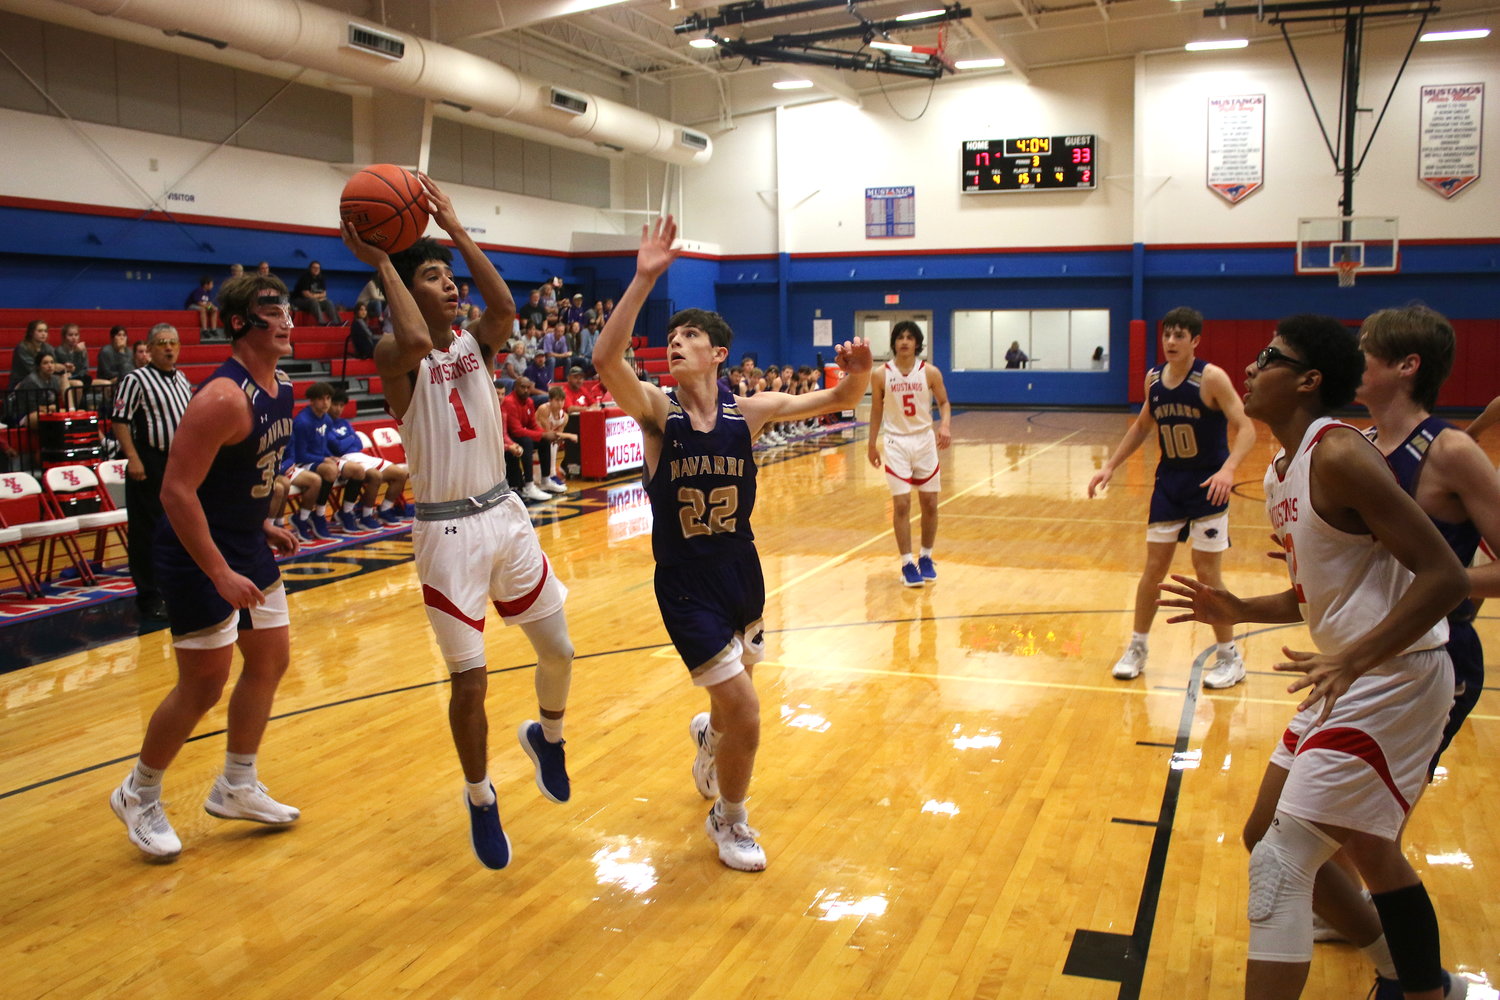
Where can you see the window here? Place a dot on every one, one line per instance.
(1047, 339)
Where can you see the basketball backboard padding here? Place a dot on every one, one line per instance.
(1371, 240)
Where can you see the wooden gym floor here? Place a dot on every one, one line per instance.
(956, 798)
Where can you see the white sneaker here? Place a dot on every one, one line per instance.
(1132, 663)
(737, 846)
(1324, 931)
(531, 492)
(145, 822)
(250, 802)
(551, 486)
(705, 772)
(1227, 672)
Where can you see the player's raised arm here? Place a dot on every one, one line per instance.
(410, 341)
(641, 400)
(852, 356)
(499, 317)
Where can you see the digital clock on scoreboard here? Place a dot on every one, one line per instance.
(1033, 163)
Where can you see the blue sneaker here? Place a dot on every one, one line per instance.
(368, 522)
(490, 842)
(1390, 989)
(319, 525)
(910, 575)
(390, 515)
(305, 528)
(347, 519)
(551, 763)
(926, 568)
(409, 512)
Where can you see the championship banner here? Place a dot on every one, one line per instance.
(1236, 145)
(890, 212)
(1450, 136)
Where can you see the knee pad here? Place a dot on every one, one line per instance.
(1282, 868)
(554, 660)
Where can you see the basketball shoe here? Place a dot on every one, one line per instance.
(1227, 671)
(305, 528)
(390, 516)
(349, 522)
(549, 759)
(1454, 988)
(552, 486)
(705, 774)
(1132, 663)
(736, 843)
(491, 845)
(319, 525)
(250, 802)
(145, 822)
(910, 575)
(926, 568)
(369, 523)
(533, 493)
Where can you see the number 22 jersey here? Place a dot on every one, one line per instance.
(702, 491)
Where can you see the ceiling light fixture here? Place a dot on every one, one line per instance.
(1454, 36)
(993, 63)
(890, 46)
(792, 84)
(704, 43)
(919, 15)
(1224, 43)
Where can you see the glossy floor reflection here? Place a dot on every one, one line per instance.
(956, 798)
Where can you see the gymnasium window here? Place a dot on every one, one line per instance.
(1056, 340)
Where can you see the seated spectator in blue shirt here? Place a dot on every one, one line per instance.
(309, 451)
(359, 466)
(583, 354)
(201, 301)
(574, 311)
(555, 347)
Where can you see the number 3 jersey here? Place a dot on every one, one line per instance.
(1194, 440)
(1346, 584)
(451, 428)
(703, 489)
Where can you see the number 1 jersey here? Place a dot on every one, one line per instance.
(451, 429)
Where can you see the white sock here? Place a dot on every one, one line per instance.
(552, 729)
(481, 793)
(907, 559)
(239, 769)
(386, 505)
(146, 781)
(367, 511)
(1379, 954)
(1140, 637)
(733, 812)
(304, 513)
(348, 507)
(926, 553)
(1226, 649)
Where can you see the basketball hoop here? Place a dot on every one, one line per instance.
(1346, 270)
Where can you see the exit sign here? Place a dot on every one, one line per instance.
(892, 300)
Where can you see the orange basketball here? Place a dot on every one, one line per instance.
(386, 205)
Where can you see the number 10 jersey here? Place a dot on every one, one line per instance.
(451, 428)
(703, 488)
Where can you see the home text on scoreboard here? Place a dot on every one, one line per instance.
(1031, 163)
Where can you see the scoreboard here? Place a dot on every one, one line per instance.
(1033, 163)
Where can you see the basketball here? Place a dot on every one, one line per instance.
(386, 205)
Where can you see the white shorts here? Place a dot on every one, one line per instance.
(271, 614)
(1366, 766)
(1208, 534)
(361, 459)
(912, 460)
(466, 562)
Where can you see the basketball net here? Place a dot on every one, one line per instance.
(1346, 270)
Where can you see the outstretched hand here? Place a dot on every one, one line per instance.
(440, 206)
(366, 252)
(657, 253)
(1326, 675)
(853, 356)
(1209, 605)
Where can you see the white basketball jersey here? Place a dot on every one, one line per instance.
(1346, 584)
(452, 429)
(908, 400)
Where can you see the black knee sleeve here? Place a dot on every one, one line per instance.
(1411, 931)
(323, 491)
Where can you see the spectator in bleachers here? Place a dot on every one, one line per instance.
(465, 299)
(576, 395)
(472, 316)
(310, 295)
(583, 351)
(344, 443)
(361, 338)
(609, 307)
(114, 357)
(310, 452)
(596, 312)
(549, 294)
(39, 392)
(555, 348)
(201, 301)
(553, 416)
(24, 358)
(532, 345)
(511, 366)
(149, 403)
(372, 297)
(140, 355)
(263, 269)
(573, 312)
(72, 357)
(533, 310)
(515, 476)
(519, 412)
(539, 373)
(235, 271)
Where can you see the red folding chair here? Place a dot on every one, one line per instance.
(74, 491)
(37, 525)
(388, 444)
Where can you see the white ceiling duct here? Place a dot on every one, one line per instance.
(305, 34)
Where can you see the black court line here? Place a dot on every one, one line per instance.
(1134, 822)
(1151, 743)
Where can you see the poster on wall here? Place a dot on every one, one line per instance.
(1236, 145)
(890, 212)
(1450, 136)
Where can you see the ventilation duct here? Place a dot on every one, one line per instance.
(692, 140)
(303, 34)
(564, 101)
(375, 42)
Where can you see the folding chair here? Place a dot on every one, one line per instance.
(112, 475)
(10, 544)
(388, 444)
(37, 525)
(74, 491)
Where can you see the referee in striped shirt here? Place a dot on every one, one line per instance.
(149, 403)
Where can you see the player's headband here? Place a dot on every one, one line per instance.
(265, 297)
